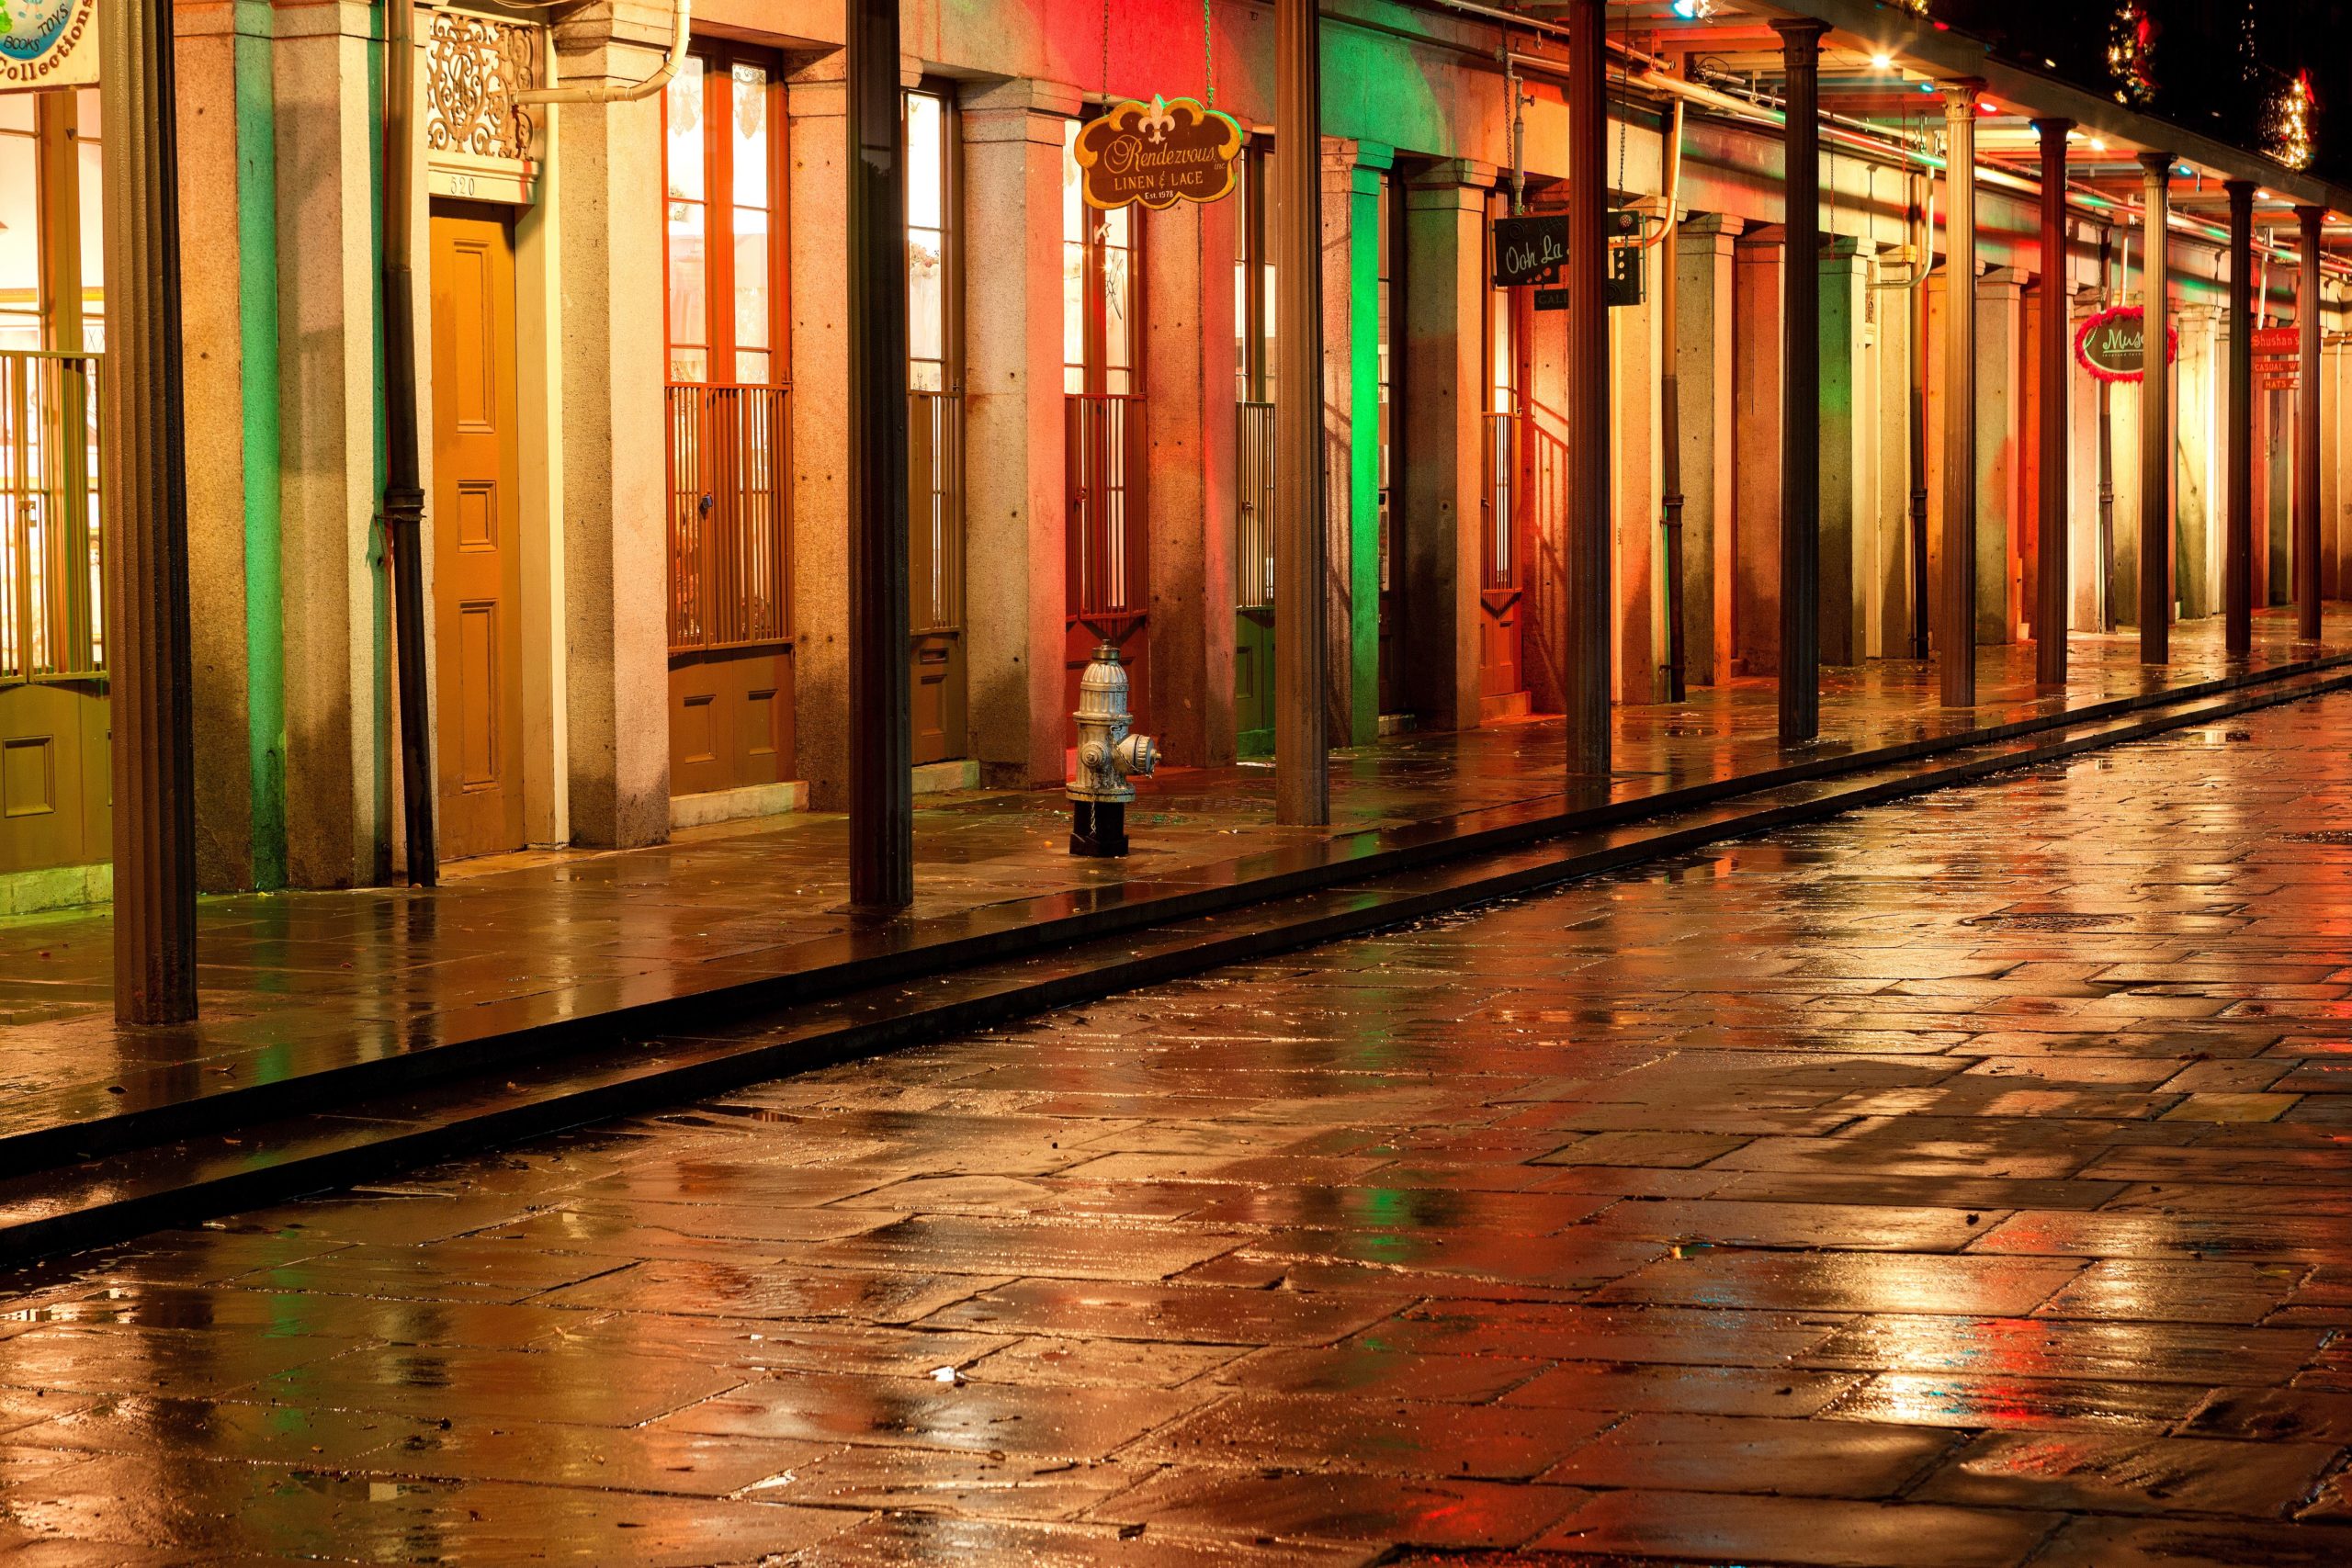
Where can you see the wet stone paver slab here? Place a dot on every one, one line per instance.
(1963, 1184)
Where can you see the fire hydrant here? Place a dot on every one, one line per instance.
(1107, 758)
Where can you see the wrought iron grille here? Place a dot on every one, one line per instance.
(730, 517)
(53, 553)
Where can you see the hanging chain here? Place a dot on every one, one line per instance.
(1208, 54)
(1106, 53)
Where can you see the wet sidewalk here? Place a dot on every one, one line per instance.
(295, 984)
(1961, 1184)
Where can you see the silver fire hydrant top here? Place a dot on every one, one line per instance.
(1108, 756)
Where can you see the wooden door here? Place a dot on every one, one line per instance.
(935, 604)
(477, 561)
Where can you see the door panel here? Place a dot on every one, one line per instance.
(476, 566)
(936, 548)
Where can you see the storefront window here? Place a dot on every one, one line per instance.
(927, 260)
(1253, 277)
(1099, 288)
(721, 160)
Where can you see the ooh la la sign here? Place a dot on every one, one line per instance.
(2113, 344)
(47, 43)
(1161, 153)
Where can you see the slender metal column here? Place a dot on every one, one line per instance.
(881, 741)
(2307, 417)
(1302, 567)
(1956, 653)
(1587, 637)
(2053, 586)
(2156, 418)
(2237, 474)
(1801, 387)
(144, 480)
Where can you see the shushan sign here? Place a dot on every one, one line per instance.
(1161, 153)
(47, 43)
(2113, 344)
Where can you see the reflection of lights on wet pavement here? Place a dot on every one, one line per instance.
(1958, 1178)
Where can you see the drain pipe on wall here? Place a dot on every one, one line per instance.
(630, 92)
(403, 506)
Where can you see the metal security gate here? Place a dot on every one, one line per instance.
(55, 765)
(1108, 541)
(1253, 569)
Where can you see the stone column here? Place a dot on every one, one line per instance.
(2331, 468)
(2156, 424)
(2000, 482)
(1351, 173)
(229, 322)
(1444, 472)
(1955, 650)
(2204, 443)
(2308, 414)
(1638, 574)
(1758, 279)
(614, 490)
(1013, 482)
(1188, 380)
(1888, 631)
(337, 608)
(1704, 375)
(2052, 375)
(1849, 413)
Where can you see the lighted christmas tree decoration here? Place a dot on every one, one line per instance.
(2131, 54)
(2288, 131)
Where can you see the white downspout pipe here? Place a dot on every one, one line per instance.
(628, 93)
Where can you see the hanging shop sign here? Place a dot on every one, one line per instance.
(47, 43)
(1531, 250)
(1159, 154)
(2112, 345)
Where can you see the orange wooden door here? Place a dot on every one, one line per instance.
(477, 561)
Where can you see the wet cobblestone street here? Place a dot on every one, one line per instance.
(1962, 1184)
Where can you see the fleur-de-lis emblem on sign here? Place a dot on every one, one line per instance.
(1158, 123)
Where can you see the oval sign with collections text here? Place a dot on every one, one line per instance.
(47, 43)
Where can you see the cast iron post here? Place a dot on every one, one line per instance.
(1801, 387)
(143, 478)
(1956, 657)
(2051, 610)
(881, 743)
(1587, 634)
(1302, 654)
(2308, 415)
(2155, 421)
(2237, 475)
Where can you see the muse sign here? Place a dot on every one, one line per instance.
(2113, 344)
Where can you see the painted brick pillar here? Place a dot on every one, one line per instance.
(1703, 381)
(1014, 492)
(1758, 279)
(1444, 472)
(1188, 379)
(615, 491)
(1849, 448)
